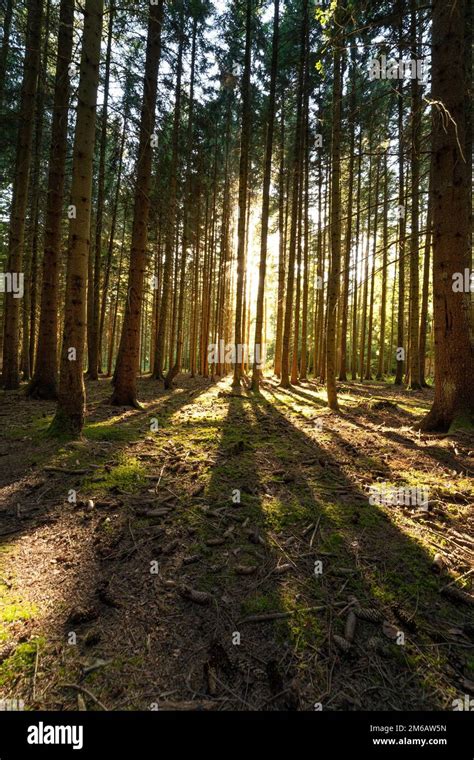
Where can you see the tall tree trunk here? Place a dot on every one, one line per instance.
(258, 348)
(16, 239)
(110, 247)
(31, 249)
(243, 192)
(170, 222)
(93, 329)
(176, 367)
(368, 370)
(348, 240)
(363, 330)
(453, 404)
(304, 213)
(383, 297)
(401, 220)
(125, 386)
(425, 293)
(335, 271)
(70, 411)
(7, 24)
(414, 355)
(285, 357)
(355, 303)
(281, 245)
(44, 382)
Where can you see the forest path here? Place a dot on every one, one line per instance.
(218, 545)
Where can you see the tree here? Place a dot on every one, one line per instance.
(414, 354)
(69, 417)
(125, 380)
(258, 353)
(296, 179)
(44, 382)
(94, 325)
(453, 404)
(175, 368)
(243, 192)
(11, 371)
(335, 273)
(170, 220)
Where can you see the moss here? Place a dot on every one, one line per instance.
(261, 603)
(13, 611)
(21, 662)
(110, 430)
(128, 475)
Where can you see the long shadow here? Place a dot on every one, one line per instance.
(188, 635)
(385, 577)
(76, 581)
(440, 455)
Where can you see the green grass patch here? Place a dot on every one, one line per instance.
(128, 475)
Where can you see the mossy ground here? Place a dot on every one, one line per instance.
(247, 485)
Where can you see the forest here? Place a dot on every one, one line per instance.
(236, 355)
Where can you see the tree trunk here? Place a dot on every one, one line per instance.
(285, 358)
(243, 192)
(93, 329)
(16, 238)
(125, 386)
(70, 411)
(281, 245)
(335, 271)
(368, 370)
(453, 404)
(348, 240)
(169, 224)
(414, 355)
(175, 369)
(383, 306)
(401, 223)
(425, 294)
(7, 23)
(258, 349)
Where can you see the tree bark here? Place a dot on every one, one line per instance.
(16, 238)
(93, 329)
(335, 271)
(70, 411)
(453, 404)
(125, 386)
(258, 349)
(243, 192)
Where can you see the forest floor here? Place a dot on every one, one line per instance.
(137, 595)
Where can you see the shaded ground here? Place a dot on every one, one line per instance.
(184, 575)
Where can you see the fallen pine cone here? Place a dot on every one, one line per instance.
(199, 597)
(342, 643)
(351, 622)
(369, 613)
(406, 619)
(215, 541)
(245, 569)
